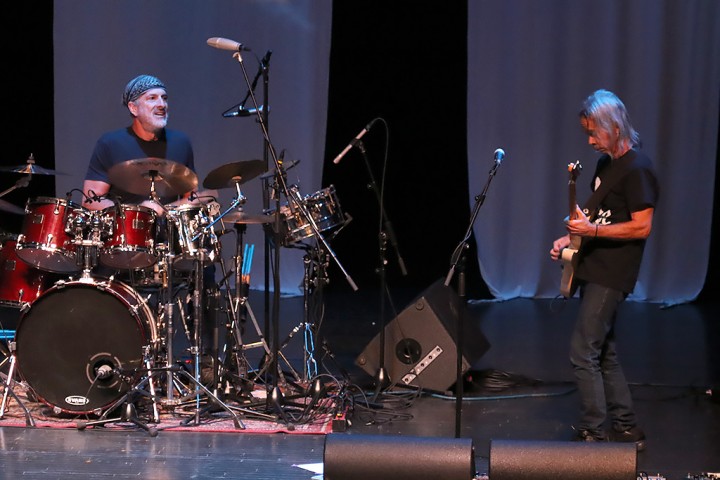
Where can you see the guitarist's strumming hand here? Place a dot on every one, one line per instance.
(558, 246)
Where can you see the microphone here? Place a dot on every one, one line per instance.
(354, 141)
(103, 371)
(226, 44)
(499, 155)
(241, 111)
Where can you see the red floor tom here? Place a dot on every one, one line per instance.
(20, 284)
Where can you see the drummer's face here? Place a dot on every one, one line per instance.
(151, 110)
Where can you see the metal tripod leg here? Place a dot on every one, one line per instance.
(8, 389)
(268, 353)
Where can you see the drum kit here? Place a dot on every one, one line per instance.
(97, 290)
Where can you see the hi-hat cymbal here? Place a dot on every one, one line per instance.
(228, 175)
(6, 206)
(242, 217)
(137, 176)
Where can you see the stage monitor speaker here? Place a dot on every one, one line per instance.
(363, 457)
(421, 342)
(543, 460)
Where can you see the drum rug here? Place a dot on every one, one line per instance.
(199, 414)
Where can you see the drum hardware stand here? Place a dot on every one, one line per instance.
(9, 389)
(87, 250)
(129, 411)
(171, 370)
(196, 348)
(314, 278)
(276, 395)
(23, 181)
(458, 262)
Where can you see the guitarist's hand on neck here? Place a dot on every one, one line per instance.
(580, 225)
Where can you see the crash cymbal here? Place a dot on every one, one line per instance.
(136, 176)
(31, 168)
(6, 206)
(226, 176)
(242, 217)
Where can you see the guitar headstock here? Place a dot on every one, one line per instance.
(574, 170)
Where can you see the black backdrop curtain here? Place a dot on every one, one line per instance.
(407, 62)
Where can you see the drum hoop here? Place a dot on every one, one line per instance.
(187, 207)
(127, 207)
(54, 200)
(107, 285)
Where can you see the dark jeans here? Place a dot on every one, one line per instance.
(600, 379)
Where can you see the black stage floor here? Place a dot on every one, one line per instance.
(519, 390)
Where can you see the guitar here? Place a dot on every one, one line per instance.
(569, 254)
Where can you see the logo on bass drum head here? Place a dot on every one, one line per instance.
(76, 400)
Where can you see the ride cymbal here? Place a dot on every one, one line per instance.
(137, 176)
(226, 176)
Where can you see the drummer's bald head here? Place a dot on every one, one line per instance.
(139, 85)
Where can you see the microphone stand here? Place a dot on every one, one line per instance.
(458, 262)
(381, 379)
(275, 396)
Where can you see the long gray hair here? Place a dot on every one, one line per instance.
(609, 112)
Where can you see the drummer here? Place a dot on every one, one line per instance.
(146, 99)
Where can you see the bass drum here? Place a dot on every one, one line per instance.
(81, 343)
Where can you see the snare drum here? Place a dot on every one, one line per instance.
(322, 206)
(46, 241)
(20, 284)
(131, 242)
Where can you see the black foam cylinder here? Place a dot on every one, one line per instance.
(363, 457)
(540, 460)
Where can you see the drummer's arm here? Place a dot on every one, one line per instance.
(92, 188)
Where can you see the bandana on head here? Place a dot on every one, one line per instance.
(139, 85)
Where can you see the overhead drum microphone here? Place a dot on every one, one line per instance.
(226, 44)
(354, 141)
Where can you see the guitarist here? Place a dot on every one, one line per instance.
(614, 226)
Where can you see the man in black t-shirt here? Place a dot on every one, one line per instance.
(613, 228)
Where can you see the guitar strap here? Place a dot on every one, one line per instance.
(617, 172)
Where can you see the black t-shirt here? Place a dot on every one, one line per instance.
(616, 263)
(121, 145)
